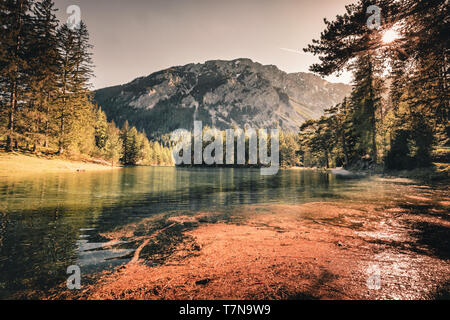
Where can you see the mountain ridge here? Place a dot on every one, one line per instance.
(222, 94)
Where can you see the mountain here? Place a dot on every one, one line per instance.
(222, 94)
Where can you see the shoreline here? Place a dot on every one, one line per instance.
(439, 172)
(17, 164)
(23, 165)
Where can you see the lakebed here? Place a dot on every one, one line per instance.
(317, 250)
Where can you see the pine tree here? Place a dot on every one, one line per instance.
(427, 43)
(15, 35)
(44, 82)
(418, 106)
(365, 101)
(124, 137)
(339, 120)
(131, 145)
(144, 148)
(318, 137)
(157, 149)
(66, 38)
(45, 66)
(348, 37)
(101, 129)
(75, 108)
(113, 148)
(288, 150)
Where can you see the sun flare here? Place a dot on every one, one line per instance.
(390, 36)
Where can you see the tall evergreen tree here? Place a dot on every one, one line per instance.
(45, 68)
(419, 98)
(65, 111)
(340, 123)
(15, 37)
(319, 138)
(101, 129)
(365, 101)
(76, 69)
(288, 149)
(112, 150)
(427, 43)
(132, 143)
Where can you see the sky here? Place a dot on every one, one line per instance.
(134, 38)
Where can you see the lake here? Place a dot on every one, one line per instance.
(52, 221)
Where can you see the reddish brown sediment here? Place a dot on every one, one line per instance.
(135, 258)
(310, 251)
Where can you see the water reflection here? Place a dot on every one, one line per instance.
(53, 221)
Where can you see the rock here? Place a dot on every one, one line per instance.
(203, 282)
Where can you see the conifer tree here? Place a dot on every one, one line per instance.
(15, 37)
(101, 129)
(288, 149)
(75, 108)
(340, 123)
(125, 144)
(365, 101)
(45, 68)
(113, 146)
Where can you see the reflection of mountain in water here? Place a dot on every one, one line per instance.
(54, 221)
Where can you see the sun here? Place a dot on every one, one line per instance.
(390, 36)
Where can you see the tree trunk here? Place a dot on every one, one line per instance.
(12, 110)
(61, 138)
(374, 142)
(47, 125)
(36, 125)
(344, 146)
(326, 159)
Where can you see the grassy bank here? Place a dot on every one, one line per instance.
(23, 164)
(439, 172)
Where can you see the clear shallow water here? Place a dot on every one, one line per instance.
(50, 222)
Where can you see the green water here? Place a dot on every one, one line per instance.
(50, 222)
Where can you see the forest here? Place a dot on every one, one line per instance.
(397, 116)
(236, 148)
(45, 93)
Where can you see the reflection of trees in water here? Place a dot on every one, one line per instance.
(42, 217)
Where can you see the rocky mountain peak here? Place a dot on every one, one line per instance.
(222, 94)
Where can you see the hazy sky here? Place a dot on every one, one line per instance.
(135, 38)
